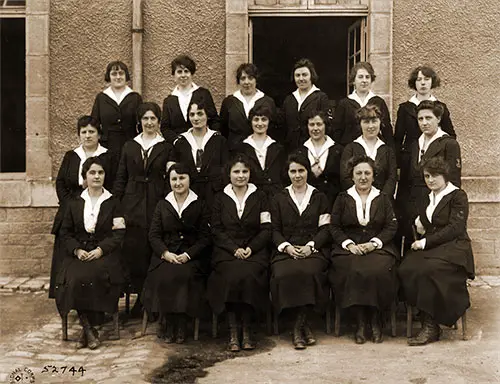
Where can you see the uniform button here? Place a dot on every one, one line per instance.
(181, 237)
(269, 179)
(147, 179)
(119, 120)
(325, 182)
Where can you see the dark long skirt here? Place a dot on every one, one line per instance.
(89, 286)
(435, 286)
(297, 283)
(238, 281)
(364, 280)
(58, 255)
(136, 253)
(175, 288)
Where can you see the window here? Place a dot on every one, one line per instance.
(12, 86)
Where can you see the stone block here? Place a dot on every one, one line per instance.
(380, 5)
(5, 280)
(483, 234)
(380, 38)
(483, 246)
(38, 6)
(12, 252)
(236, 33)
(46, 240)
(38, 68)
(290, 2)
(3, 214)
(37, 35)
(38, 161)
(14, 284)
(43, 194)
(491, 210)
(49, 214)
(15, 193)
(5, 228)
(482, 189)
(37, 120)
(20, 354)
(32, 228)
(24, 215)
(238, 6)
(21, 266)
(4, 239)
(32, 285)
(265, 2)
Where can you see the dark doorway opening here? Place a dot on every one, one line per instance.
(12, 95)
(278, 42)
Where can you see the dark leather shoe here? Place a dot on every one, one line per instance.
(233, 344)
(93, 341)
(82, 340)
(247, 343)
(298, 341)
(180, 337)
(428, 334)
(309, 335)
(376, 328)
(359, 336)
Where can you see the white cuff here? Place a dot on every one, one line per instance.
(324, 219)
(346, 243)
(424, 241)
(189, 257)
(311, 244)
(282, 246)
(420, 227)
(377, 241)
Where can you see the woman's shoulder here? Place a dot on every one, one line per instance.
(460, 194)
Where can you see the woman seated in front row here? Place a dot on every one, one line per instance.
(370, 144)
(434, 272)
(300, 217)
(241, 227)
(363, 257)
(91, 276)
(180, 237)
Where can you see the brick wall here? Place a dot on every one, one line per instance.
(25, 241)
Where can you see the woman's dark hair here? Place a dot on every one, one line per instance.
(436, 166)
(299, 157)
(323, 116)
(237, 158)
(260, 110)
(250, 69)
(368, 112)
(426, 71)
(361, 65)
(116, 65)
(200, 104)
(180, 168)
(85, 120)
(145, 107)
(309, 65)
(360, 159)
(89, 162)
(436, 107)
(183, 61)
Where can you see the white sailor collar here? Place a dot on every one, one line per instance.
(247, 106)
(307, 197)
(354, 96)
(434, 200)
(250, 141)
(372, 155)
(299, 99)
(240, 207)
(417, 102)
(363, 217)
(191, 197)
(109, 92)
(178, 93)
(191, 140)
(158, 139)
(90, 214)
(81, 154)
(439, 133)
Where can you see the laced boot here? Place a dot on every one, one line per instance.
(82, 340)
(376, 327)
(90, 333)
(180, 336)
(298, 339)
(247, 343)
(308, 334)
(234, 344)
(168, 329)
(359, 336)
(429, 332)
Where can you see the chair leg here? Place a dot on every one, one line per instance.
(127, 301)
(464, 326)
(214, 325)
(116, 323)
(196, 328)
(269, 319)
(144, 323)
(64, 323)
(409, 320)
(337, 321)
(275, 323)
(393, 319)
(329, 317)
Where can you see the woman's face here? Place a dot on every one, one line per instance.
(362, 81)
(316, 127)
(302, 78)
(423, 84)
(260, 124)
(362, 176)
(182, 76)
(197, 117)
(248, 84)
(179, 182)
(297, 174)
(370, 127)
(95, 176)
(436, 183)
(150, 123)
(428, 122)
(239, 175)
(118, 78)
(89, 137)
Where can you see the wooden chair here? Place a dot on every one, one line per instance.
(196, 327)
(116, 326)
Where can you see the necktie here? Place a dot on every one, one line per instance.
(144, 157)
(199, 153)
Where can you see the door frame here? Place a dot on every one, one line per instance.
(378, 15)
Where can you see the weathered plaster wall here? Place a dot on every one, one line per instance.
(460, 40)
(84, 37)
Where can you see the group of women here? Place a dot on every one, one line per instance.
(253, 203)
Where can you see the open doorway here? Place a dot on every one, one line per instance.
(278, 42)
